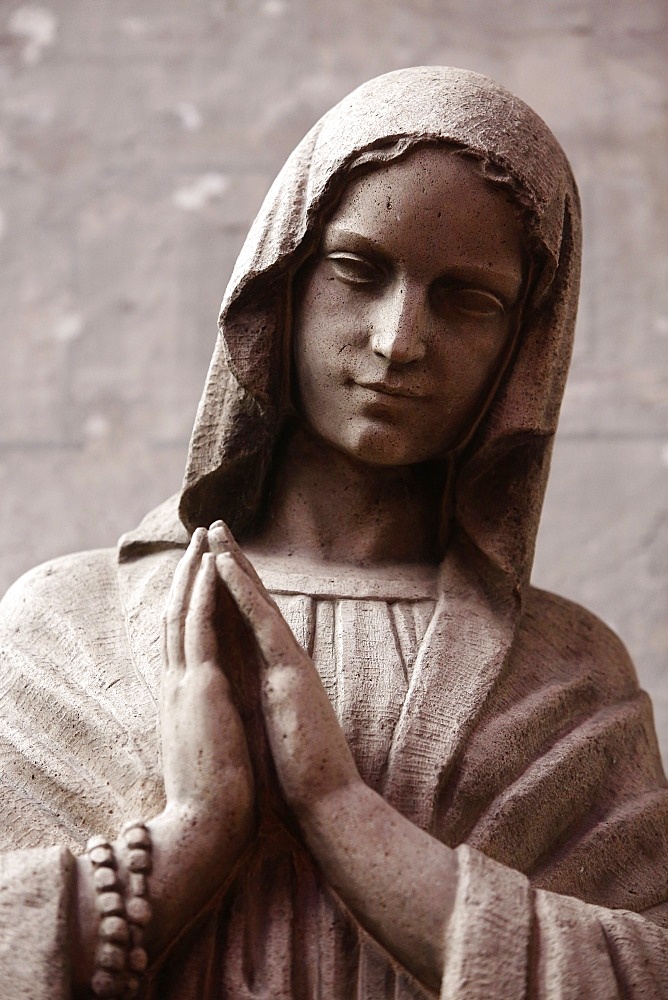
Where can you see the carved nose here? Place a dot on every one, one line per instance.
(399, 327)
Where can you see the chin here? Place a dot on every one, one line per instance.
(386, 447)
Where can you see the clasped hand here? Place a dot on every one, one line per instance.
(205, 755)
(394, 877)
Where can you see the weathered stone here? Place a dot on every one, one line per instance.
(110, 289)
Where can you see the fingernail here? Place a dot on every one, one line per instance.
(216, 524)
(221, 530)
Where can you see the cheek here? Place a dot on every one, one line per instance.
(306, 377)
(478, 348)
(470, 365)
(484, 368)
(324, 339)
(319, 372)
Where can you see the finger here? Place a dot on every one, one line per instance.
(303, 729)
(201, 643)
(179, 598)
(221, 540)
(274, 637)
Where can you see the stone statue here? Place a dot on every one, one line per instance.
(368, 758)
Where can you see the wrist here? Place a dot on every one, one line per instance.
(110, 912)
(191, 838)
(320, 815)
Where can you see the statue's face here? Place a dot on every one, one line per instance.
(405, 318)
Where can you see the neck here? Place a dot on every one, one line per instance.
(325, 506)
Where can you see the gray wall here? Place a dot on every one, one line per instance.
(136, 142)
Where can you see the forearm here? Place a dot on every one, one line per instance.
(397, 880)
(192, 857)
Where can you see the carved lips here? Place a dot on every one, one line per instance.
(394, 387)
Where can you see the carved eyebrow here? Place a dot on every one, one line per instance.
(356, 241)
(495, 279)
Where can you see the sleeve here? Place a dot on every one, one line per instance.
(35, 891)
(512, 942)
(73, 757)
(79, 750)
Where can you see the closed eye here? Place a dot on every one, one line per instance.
(469, 301)
(354, 269)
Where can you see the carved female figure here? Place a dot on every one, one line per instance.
(389, 766)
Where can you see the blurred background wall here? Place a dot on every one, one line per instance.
(136, 143)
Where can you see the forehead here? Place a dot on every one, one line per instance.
(434, 207)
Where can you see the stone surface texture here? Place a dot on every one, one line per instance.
(136, 144)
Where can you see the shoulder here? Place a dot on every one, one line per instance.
(570, 641)
(69, 586)
(79, 715)
(62, 623)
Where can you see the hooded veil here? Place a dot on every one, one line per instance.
(501, 479)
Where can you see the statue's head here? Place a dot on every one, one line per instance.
(466, 204)
(405, 315)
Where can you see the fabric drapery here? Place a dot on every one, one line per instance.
(277, 924)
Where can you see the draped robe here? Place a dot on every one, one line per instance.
(549, 769)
